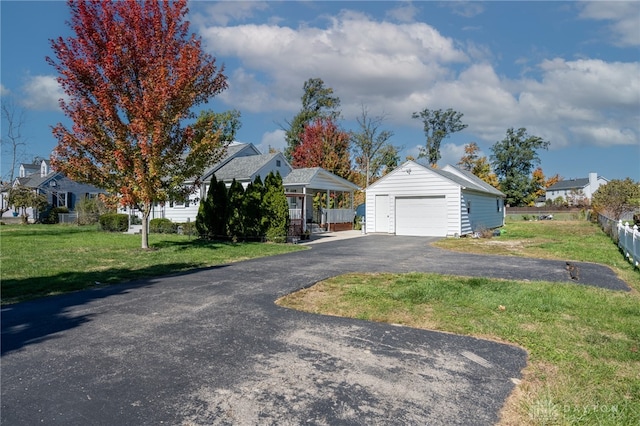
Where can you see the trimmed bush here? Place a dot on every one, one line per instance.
(114, 222)
(189, 228)
(162, 226)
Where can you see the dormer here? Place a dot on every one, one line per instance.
(27, 169)
(44, 168)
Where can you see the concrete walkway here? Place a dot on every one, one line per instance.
(325, 237)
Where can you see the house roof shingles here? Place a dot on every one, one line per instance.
(301, 176)
(306, 176)
(243, 168)
(472, 181)
(569, 184)
(35, 180)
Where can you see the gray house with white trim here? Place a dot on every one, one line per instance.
(58, 189)
(575, 191)
(418, 200)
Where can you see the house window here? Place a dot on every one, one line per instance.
(498, 204)
(179, 203)
(469, 207)
(278, 163)
(60, 199)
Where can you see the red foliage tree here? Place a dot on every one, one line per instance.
(323, 144)
(132, 72)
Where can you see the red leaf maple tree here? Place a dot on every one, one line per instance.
(132, 73)
(323, 144)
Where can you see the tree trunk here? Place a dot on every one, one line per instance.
(146, 212)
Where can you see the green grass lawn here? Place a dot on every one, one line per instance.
(583, 342)
(42, 260)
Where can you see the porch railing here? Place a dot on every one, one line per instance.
(340, 215)
(327, 215)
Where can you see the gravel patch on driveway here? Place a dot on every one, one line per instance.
(211, 347)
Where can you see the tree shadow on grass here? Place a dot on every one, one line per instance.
(35, 321)
(194, 243)
(201, 243)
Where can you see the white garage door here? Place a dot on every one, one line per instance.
(421, 216)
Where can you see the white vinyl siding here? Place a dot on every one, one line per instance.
(483, 214)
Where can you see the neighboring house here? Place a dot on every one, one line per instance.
(418, 200)
(59, 190)
(244, 162)
(575, 191)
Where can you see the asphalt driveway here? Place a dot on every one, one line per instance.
(211, 347)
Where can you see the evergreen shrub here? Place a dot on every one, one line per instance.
(162, 226)
(114, 222)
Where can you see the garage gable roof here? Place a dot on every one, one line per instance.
(456, 176)
(474, 182)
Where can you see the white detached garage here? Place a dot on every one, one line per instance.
(418, 200)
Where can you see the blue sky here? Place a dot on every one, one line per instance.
(567, 71)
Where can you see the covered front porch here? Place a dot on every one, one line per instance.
(319, 201)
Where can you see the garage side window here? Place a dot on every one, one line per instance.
(468, 207)
(498, 204)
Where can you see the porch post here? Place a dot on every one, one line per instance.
(304, 209)
(328, 207)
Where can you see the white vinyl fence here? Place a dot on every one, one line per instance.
(628, 237)
(629, 242)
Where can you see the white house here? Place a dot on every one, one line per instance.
(574, 191)
(418, 200)
(244, 162)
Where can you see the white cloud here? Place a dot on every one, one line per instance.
(221, 13)
(624, 17)
(4, 91)
(578, 100)
(352, 55)
(451, 154)
(274, 140)
(247, 93)
(403, 13)
(42, 93)
(402, 68)
(466, 9)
